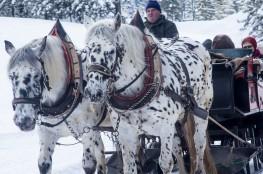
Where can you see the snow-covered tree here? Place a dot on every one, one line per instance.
(188, 10)
(223, 8)
(173, 9)
(205, 10)
(254, 19)
(7, 8)
(237, 5)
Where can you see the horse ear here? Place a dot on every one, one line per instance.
(117, 22)
(9, 47)
(138, 22)
(42, 46)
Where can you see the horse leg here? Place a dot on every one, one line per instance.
(166, 161)
(178, 153)
(47, 144)
(99, 153)
(200, 141)
(93, 153)
(129, 144)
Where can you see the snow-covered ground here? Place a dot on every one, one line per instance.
(19, 150)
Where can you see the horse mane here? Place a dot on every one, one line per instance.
(129, 36)
(132, 38)
(54, 64)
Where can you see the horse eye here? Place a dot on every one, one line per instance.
(11, 77)
(112, 51)
(36, 76)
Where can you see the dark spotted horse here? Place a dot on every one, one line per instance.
(46, 76)
(145, 99)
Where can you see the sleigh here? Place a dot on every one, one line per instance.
(237, 105)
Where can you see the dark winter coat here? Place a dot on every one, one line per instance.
(162, 28)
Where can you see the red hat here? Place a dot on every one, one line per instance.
(251, 40)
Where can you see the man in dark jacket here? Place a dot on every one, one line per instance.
(156, 22)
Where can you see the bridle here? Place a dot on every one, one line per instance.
(44, 82)
(105, 71)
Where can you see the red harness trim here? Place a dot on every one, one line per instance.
(67, 56)
(70, 99)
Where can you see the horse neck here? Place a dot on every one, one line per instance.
(55, 67)
(132, 62)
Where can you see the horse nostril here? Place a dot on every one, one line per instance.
(99, 94)
(87, 93)
(27, 124)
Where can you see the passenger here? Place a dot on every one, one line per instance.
(207, 44)
(157, 23)
(222, 41)
(251, 43)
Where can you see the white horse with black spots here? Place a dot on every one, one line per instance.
(116, 74)
(39, 75)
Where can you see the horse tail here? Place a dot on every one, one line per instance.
(210, 166)
(188, 131)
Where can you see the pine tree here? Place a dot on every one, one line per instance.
(7, 8)
(237, 5)
(205, 10)
(173, 9)
(254, 20)
(188, 10)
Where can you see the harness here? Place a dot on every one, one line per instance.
(151, 82)
(187, 99)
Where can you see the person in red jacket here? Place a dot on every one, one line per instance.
(251, 43)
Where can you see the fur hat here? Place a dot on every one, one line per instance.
(153, 4)
(250, 40)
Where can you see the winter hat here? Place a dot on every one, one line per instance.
(153, 4)
(251, 40)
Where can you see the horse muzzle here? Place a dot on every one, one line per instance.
(25, 124)
(96, 96)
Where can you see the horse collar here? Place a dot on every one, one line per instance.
(151, 82)
(72, 96)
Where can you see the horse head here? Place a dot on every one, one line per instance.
(29, 80)
(113, 52)
(25, 74)
(101, 56)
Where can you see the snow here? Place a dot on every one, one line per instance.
(19, 150)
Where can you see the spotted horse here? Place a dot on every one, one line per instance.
(46, 78)
(121, 71)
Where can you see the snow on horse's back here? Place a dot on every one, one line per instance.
(116, 72)
(39, 75)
